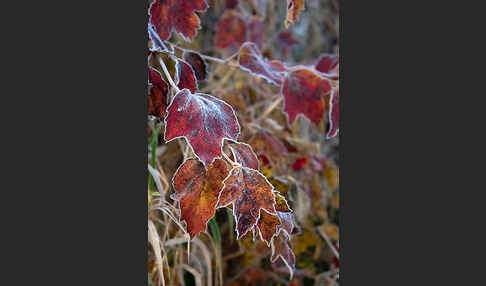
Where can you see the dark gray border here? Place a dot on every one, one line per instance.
(77, 164)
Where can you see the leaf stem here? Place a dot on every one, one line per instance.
(232, 163)
(167, 74)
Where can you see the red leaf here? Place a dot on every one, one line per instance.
(186, 77)
(231, 30)
(243, 154)
(204, 121)
(293, 10)
(304, 92)
(334, 114)
(197, 191)
(249, 192)
(327, 62)
(157, 94)
(197, 63)
(250, 59)
(282, 250)
(166, 15)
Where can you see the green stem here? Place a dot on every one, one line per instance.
(230, 223)
(215, 232)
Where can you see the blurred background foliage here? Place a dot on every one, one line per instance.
(308, 176)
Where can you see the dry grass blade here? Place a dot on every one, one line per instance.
(328, 240)
(207, 259)
(154, 240)
(219, 263)
(157, 178)
(169, 213)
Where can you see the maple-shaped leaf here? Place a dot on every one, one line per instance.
(157, 44)
(197, 191)
(251, 59)
(334, 114)
(166, 15)
(327, 62)
(282, 250)
(293, 9)
(185, 76)
(204, 121)
(157, 94)
(197, 63)
(244, 154)
(304, 91)
(231, 30)
(269, 225)
(249, 192)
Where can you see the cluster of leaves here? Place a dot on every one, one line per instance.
(230, 160)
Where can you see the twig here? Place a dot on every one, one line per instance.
(210, 58)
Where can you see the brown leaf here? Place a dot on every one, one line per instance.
(249, 192)
(293, 9)
(197, 191)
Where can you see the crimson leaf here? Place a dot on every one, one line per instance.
(166, 15)
(203, 121)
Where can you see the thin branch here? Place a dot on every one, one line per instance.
(226, 61)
